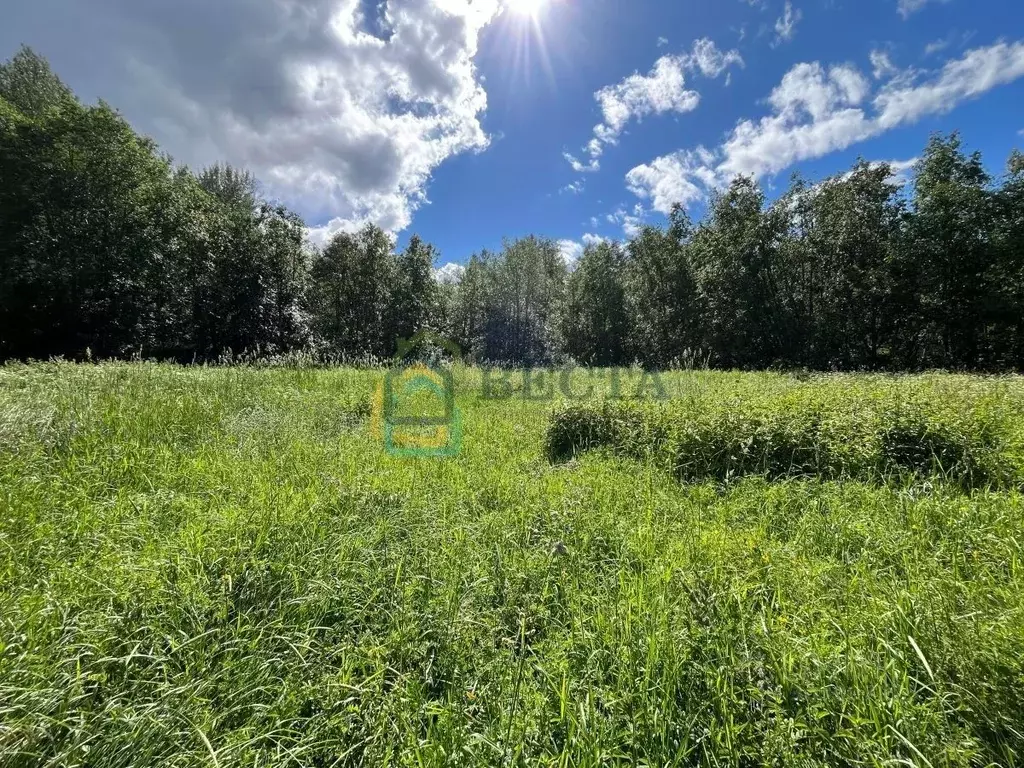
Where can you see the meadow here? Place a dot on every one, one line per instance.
(222, 567)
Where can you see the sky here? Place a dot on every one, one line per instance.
(467, 121)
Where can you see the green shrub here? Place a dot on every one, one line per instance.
(824, 428)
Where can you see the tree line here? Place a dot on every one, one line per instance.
(109, 249)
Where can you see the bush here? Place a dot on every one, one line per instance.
(823, 428)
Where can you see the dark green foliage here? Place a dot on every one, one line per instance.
(350, 285)
(842, 273)
(29, 85)
(506, 307)
(736, 260)
(89, 236)
(595, 323)
(661, 299)
(107, 250)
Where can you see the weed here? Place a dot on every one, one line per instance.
(221, 566)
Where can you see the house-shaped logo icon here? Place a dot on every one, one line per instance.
(414, 411)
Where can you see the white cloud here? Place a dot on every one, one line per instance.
(668, 180)
(342, 115)
(662, 42)
(581, 167)
(575, 188)
(881, 65)
(661, 90)
(711, 61)
(322, 235)
(936, 46)
(908, 7)
(631, 222)
(570, 251)
(902, 170)
(785, 25)
(978, 71)
(450, 274)
(814, 113)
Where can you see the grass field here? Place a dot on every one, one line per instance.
(222, 567)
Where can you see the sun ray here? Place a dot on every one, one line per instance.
(531, 8)
(525, 37)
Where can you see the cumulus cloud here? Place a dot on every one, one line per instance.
(902, 170)
(450, 274)
(631, 222)
(978, 71)
(907, 8)
(710, 60)
(322, 235)
(570, 251)
(670, 179)
(579, 166)
(816, 112)
(342, 113)
(661, 90)
(785, 25)
(881, 65)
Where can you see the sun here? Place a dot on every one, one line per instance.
(526, 7)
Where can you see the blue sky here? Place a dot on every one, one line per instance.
(461, 120)
(518, 185)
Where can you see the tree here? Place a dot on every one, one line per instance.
(953, 254)
(660, 293)
(415, 292)
(250, 288)
(468, 307)
(1007, 300)
(594, 320)
(350, 293)
(842, 254)
(106, 247)
(525, 289)
(736, 259)
(29, 85)
(85, 247)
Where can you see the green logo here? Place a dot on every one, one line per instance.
(414, 411)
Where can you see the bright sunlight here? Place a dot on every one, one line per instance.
(527, 7)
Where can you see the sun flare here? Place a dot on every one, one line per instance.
(526, 7)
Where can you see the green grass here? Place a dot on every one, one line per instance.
(221, 567)
(961, 430)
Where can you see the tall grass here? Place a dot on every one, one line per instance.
(221, 567)
(959, 429)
